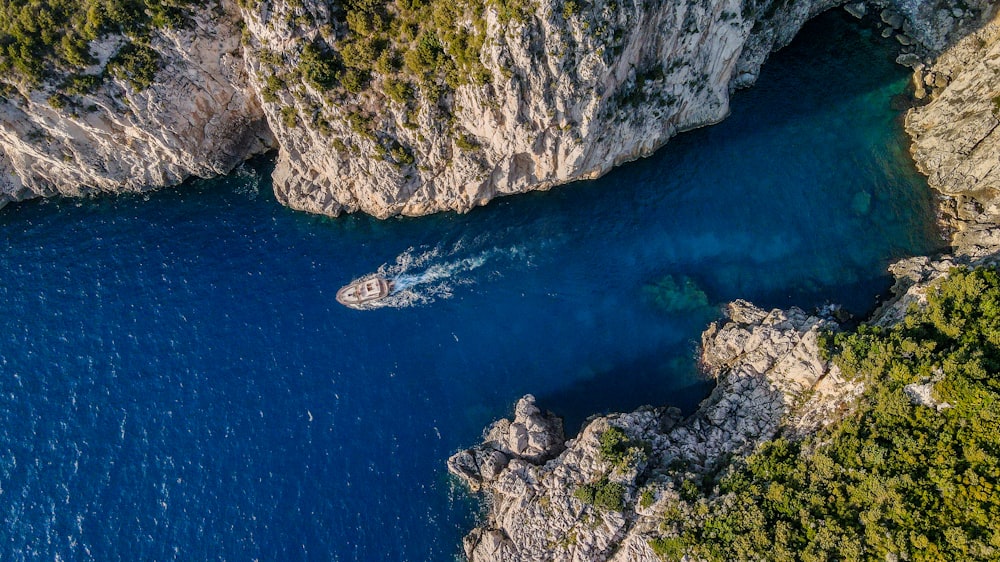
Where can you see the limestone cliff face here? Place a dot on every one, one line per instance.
(956, 140)
(198, 118)
(570, 97)
(570, 94)
(770, 378)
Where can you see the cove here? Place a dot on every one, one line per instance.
(178, 382)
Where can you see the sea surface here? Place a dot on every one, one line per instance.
(177, 381)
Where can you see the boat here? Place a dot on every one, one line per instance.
(363, 291)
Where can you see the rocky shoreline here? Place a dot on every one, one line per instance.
(566, 102)
(771, 377)
(569, 93)
(771, 381)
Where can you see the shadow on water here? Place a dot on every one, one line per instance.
(623, 388)
(844, 45)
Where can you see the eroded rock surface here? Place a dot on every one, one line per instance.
(956, 140)
(571, 93)
(770, 378)
(199, 118)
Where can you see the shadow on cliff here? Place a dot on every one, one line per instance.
(859, 62)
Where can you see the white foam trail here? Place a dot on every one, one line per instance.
(248, 181)
(421, 277)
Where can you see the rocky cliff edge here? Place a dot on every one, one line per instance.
(505, 98)
(771, 378)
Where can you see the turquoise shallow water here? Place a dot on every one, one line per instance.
(179, 384)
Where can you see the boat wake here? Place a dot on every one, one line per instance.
(420, 276)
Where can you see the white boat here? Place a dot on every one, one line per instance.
(363, 291)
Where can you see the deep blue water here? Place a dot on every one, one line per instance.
(178, 383)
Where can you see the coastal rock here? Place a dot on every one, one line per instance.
(571, 96)
(771, 378)
(198, 118)
(857, 9)
(571, 93)
(532, 436)
(956, 137)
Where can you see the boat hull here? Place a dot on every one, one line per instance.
(364, 291)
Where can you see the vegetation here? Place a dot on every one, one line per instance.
(619, 451)
(37, 36)
(434, 45)
(603, 494)
(894, 480)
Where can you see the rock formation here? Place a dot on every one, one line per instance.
(198, 119)
(956, 140)
(771, 378)
(566, 91)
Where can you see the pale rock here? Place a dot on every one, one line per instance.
(199, 118)
(857, 9)
(770, 379)
(956, 137)
(923, 395)
(557, 109)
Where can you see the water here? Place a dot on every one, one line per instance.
(178, 382)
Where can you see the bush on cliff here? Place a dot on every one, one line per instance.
(39, 35)
(619, 451)
(912, 473)
(603, 494)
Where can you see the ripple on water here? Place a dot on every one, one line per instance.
(179, 383)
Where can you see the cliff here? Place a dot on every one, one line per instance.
(407, 108)
(770, 377)
(956, 140)
(198, 118)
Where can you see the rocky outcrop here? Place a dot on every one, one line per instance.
(956, 141)
(771, 378)
(572, 89)
(533, 437)
(199, 118)
(570, 97)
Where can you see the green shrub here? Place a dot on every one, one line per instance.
(289, 116)
(466, 142)
(398, 91)
(668, 549)
(37, 36)
(894, 478)
(81, 84)
(603, 494)
(272, 85)
(319, 66)
(402, 156)
(57, 101)
(136, 64)
(570, 8)
(620, 451)
(647, 498)
(354, 80)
